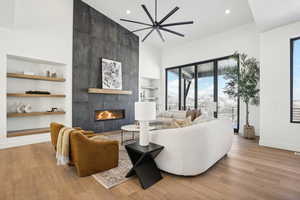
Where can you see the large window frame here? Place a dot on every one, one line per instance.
(292, 40)
(195, 64)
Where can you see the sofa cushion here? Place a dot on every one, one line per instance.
(165, 114)
(179, 114)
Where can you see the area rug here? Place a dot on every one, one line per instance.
(115, 176)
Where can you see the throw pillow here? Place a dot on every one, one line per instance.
(182, 123)
(204, 117)
(193, 113)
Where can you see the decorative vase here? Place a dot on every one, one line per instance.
(249, 132)
(27, 108)
(20, 108)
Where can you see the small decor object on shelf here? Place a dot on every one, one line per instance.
(20, 108)
(53, 110)
(243, 83)
(37, 92)
(144, 112)
(111, 74)
(48, 73)
(28, 73)
(27, 108)
(53, 73)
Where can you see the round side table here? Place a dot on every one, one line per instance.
(132, 128)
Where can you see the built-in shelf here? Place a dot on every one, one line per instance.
(149, 88)
(108, 91)
(150, 98)
(27, 132)
(34, 77)
(34, 114)
(35, 95)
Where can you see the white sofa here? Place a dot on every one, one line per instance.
(192, 150)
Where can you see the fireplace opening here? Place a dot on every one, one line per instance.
(103, 115)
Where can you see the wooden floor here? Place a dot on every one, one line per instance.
(249, 172)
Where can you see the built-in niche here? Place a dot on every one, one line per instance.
(36, 95)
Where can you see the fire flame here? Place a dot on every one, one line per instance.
(105, 115)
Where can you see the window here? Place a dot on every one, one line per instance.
(205, 88)
(199, 85)
(188, 88)
(172, 89)
(227, 107)
(295, 80)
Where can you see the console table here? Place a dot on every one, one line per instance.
(144, 166)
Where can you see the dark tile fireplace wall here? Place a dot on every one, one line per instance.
(96, 36)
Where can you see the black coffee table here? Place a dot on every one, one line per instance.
(144, 166)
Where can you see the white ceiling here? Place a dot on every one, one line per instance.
(269, 14)
(209, 16)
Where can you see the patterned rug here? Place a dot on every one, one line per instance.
(116, 176)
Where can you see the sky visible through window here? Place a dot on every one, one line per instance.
(296, 81)
(296, 70)
(227, 106)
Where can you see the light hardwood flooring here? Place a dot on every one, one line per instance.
(249, 172)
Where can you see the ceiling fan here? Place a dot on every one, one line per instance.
(156, 25)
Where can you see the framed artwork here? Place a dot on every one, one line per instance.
(111, 74)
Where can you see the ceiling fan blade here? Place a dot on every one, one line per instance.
(142, 29)
(177, 24)
(170, 31)
(169, 15)
(147, 12)
(160, 35)
(136, 22)
(147, 35)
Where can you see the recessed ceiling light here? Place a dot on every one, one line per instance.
(128, 12)
(227, 11)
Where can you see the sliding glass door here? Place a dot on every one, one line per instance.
(172, 89)
(227, 107)
(187, 88)
(206, 86)
(200, 85)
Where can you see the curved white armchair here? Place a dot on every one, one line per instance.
(192, 150)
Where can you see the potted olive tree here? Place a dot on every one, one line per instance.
(243, 83)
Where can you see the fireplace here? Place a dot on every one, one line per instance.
(104, 115)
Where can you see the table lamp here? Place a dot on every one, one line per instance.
(144, 112)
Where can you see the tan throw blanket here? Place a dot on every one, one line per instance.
(63, 146)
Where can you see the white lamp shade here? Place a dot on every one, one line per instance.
(145, 111)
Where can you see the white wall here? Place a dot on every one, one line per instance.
(244, 39)
(276, 129)
(41, 30)
(7, 13)
(150, 61)
(150, 68)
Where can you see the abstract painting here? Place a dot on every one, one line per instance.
(111, 74)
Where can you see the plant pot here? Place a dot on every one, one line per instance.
(249, 132)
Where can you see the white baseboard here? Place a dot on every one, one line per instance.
(24, 140)
(279, 145)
